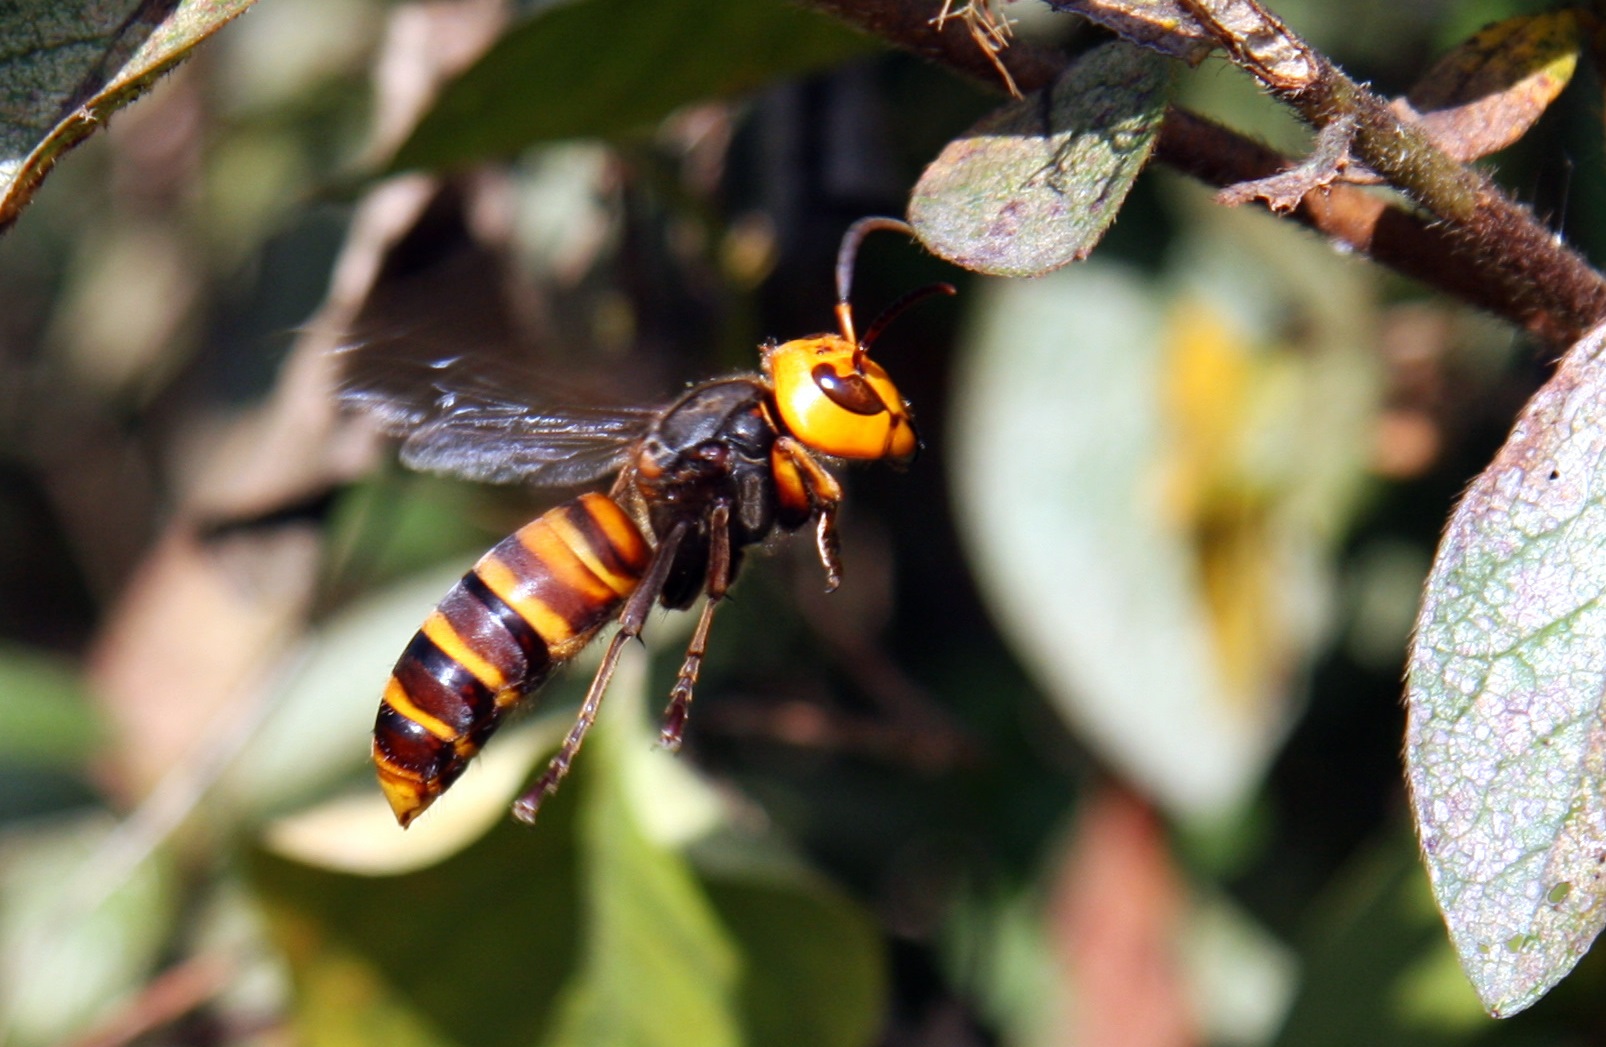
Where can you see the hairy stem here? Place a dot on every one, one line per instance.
(1363, 222)
(1480, 247)
(1550, 288)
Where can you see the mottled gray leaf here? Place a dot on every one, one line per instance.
(1034, 186)
(1506, 744)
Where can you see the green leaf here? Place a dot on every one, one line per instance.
(812, 968)
(1078, 508)
(1034, 186)
(474, 950)
(729, 943)
(1505, 750)
(659, 968)
(593, 928)
(67, 65)
(603, 67)
(45, 716)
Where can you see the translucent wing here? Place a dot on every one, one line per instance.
(470, 418)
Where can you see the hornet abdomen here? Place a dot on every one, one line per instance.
(530, 604)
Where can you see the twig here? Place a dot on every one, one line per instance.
(1486, 250)
(1363, 222)
(1555, 292)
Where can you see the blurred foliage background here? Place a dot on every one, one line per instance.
(1097, 744)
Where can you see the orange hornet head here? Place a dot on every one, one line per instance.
(830, 395)
(838, 401)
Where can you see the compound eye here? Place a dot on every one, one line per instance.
(851, 393)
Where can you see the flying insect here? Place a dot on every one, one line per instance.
(696, 482)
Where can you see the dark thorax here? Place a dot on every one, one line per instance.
(712, 447)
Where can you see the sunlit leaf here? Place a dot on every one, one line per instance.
(67, 65)
(600, 67)
(357, 832)
(474, 950)
(1488, 92)
(1505, 749)
(1242, 978)
(731, 944)
(1034, 186)
(1159, 557)
(1120, 638)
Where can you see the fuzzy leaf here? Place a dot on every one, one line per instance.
(1506, 744)
(1034, 186)
(67, 65)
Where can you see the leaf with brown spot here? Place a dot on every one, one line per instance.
(1489, 91)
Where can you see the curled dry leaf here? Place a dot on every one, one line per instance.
(1283, 191)
(1489, 91)
(1257, 40)
(1506, 743)
(1165, 26)
(1034, 186)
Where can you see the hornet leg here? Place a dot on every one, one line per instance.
(719, 577)
(631, 620)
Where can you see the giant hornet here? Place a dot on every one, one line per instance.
(696, 481)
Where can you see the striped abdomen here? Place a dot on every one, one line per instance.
(530, 604)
